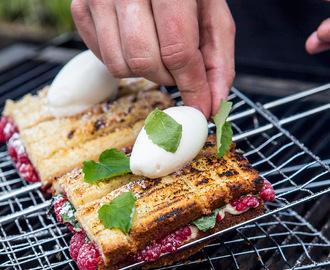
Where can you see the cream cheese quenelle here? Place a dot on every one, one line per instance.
(82, 83)
(150, 160)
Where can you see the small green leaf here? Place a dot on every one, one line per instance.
(163, 130)
(224, 131)
(67, 213)
(206, 222)
(111, 163)
(226, 139)
(119, 213)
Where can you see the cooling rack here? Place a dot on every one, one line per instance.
(279, 239)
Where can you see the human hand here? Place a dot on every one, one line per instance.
(189, 43)
(319, 41)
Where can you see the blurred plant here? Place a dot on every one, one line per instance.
(49, 13)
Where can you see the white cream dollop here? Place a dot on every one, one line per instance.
(82, 83)
(152, 161)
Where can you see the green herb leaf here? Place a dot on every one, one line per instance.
(163, 130)
(67, 213)
(111, 163)
(119, 213)
(224, 131)
(206, 222)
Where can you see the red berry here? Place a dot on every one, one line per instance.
(22, 157)
(9, 129)
(77, 241)
(267, 193)
(168, 243)
(28, 172)
(245, 203)
(3, 123)
(234, 202)
(252, 202)
(57, 209)
(88, 257)
(70, 227)
(18, 165)
(219, 218)
(12, 152)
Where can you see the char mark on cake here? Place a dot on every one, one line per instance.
(228, 173)
(71, 133)
(99, 123)
(175, 212)
(151, 184)
(203, 181)
(209, 144)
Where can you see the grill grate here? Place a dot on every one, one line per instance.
(281, 238)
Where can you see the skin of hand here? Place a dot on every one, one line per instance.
(319, 41)
(189, 43)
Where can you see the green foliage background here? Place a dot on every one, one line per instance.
(42, 13)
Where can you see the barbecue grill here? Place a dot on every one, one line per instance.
(285, 138)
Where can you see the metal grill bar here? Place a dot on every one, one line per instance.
(282, 101)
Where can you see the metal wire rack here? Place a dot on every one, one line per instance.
(280, 238)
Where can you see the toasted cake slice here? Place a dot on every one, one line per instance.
(165, 204)
(56, 146)
(79, 192)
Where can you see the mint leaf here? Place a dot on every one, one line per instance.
(226, 139)
(163, 130)
(206, 222)
(111, 163)
(67, 213)
(224, 131)
(119, 213)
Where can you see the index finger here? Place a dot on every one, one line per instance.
(177, 27)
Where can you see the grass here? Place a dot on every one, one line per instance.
(38, 13)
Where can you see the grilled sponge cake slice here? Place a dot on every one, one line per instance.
(170, 202)
(64, 143)
(79, 192)
(56, 146)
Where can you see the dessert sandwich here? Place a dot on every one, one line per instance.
(44, 147)
(207, 195)
(82, 113)
(172, 190)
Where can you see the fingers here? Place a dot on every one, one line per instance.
(140, 42)
(177, 28)
(108, 37)
(217, 42)
(319, 41)
(323, 32)
(190, 43)
(85, 25)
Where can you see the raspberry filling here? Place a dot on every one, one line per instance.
(88, 257)
(85, 254)
(244, 203)
(267, 192)
(7, 128)
(9, 133)
(77, 241)
(169, 243)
